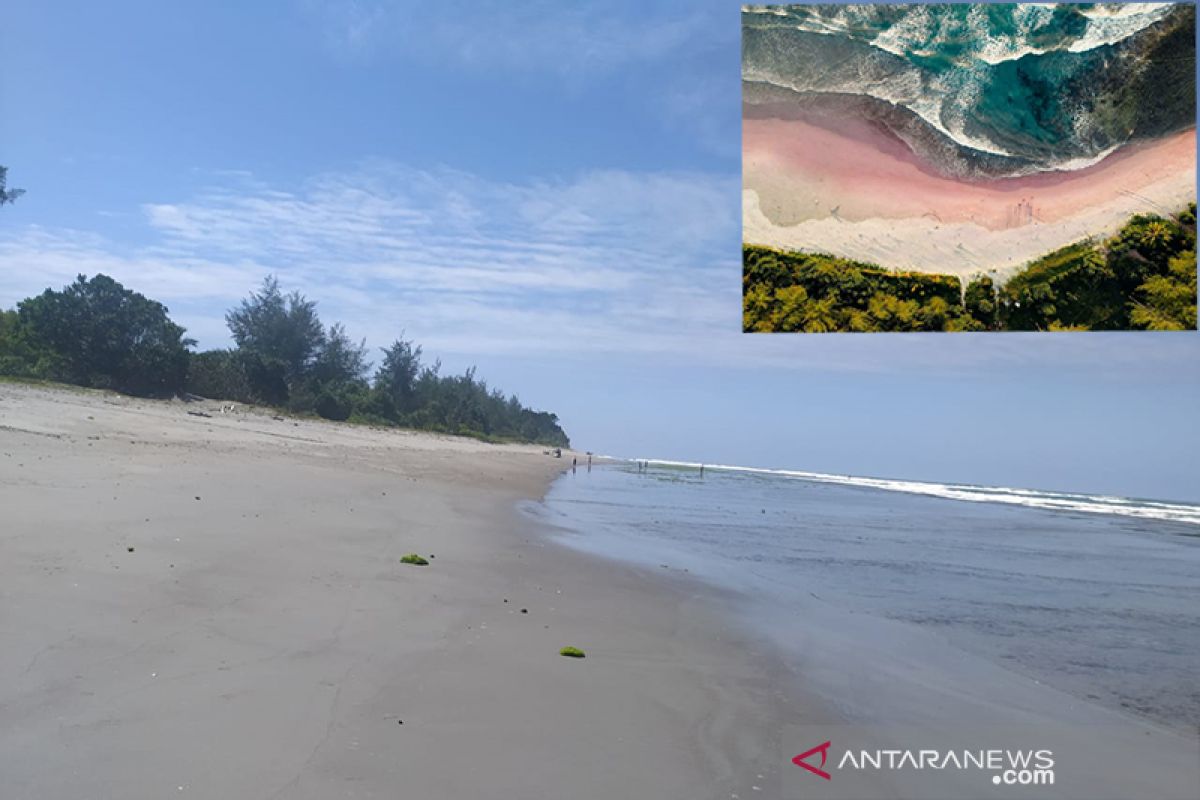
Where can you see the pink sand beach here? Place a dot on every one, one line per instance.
(850, 189)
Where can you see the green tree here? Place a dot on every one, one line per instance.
(790, 309)
(758, 305)
(336, 380)
(893, 314)
(7, 195)
(979, 299)
(281, 335)
(339, 359)
(107, 336)
(1168, 302)
(18, 356)
(396, 379)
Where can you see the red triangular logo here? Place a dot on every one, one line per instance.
(800, 762)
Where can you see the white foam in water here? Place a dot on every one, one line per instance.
(1108, 25)
(1030, 498)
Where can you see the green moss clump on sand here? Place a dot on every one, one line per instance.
(572, 652)
(413, 558)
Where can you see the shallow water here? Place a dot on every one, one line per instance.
(1103, 606)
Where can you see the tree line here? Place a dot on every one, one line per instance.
(1143, 278)
(97, 333)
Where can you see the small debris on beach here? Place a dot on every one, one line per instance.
(523, 610)
(572, 652)
(414, 559)
(130, 549)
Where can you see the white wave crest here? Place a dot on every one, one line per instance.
(922, 28)
(1029, 498)
(1109, 28)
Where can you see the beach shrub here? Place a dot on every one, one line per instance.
(333, 404)
(413, 558)
(219, 374)
(572, 652)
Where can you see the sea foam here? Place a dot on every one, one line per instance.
(1030, 498)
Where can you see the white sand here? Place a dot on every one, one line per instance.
(854, 193)
(263, 641)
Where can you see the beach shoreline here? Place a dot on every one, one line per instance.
(893, 624)
(213, 606)
(846, 188)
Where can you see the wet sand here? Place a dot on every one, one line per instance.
(847, 188)
(213, 607)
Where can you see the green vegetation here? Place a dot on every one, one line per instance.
(572, 652)
(413, 558)
(812, 293)
(97, 333)
(1143, 278)
(7, 195)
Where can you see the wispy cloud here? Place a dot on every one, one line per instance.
(462, 263)
(605, 264)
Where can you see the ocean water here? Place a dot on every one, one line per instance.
(1098, 597)
(979, 89)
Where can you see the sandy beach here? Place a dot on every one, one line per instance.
(843, 187)
(212, 606)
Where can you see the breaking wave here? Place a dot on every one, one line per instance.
(1010, 89)
(1030, 498)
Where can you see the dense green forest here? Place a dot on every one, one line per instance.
(1144, 278)
(97, 333)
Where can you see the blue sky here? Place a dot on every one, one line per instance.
(549, 191)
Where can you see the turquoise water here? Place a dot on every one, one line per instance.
(1103, 604)
(983, 89)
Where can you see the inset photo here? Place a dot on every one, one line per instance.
(969, 167)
